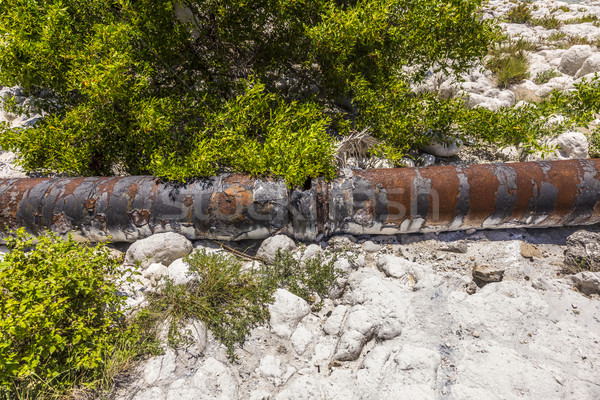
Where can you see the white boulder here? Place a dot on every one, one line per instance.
(574, 58)
(178, 272)
(269, 247)
(571, 145)
(286, 312)
(161, 248)
(589, 66)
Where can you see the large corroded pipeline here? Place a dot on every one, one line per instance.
(236, 207)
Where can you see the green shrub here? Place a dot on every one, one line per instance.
(520, 14)
(563, 8)
(59, 314)
(525, 126)
(229, 300)
(544, 76)
(130, 88)
(304, 278)
(548, 22)
(522, 127)
(583, 19)
(556, 36)
(594, 140)
(509, 64)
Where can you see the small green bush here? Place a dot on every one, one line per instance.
(304, 278)
(509, 66)
(548, 22)
(563, 8)
(544, 76)
(59, 314)
(583, 19)
(556, 36)
(594, 139)
(520, 14)
(229, 300)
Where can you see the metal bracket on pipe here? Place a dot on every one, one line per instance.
(235, 207)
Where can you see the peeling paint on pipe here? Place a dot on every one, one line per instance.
(235, 207)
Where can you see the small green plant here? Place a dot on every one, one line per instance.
(594, 140)
(520, 14)
(229, 300)
(548, 22)
(304, 278)
(562, 8)
(556, 36)
(583, 19)
(60, 315)
(544, 76)
(509, 68)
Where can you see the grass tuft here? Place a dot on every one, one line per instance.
(520, 14)
(544, 76)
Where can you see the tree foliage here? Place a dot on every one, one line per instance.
(190, 88)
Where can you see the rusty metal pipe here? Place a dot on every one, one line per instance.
(236, 207)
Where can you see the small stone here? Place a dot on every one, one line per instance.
(426, 160)
(530, 251)
(371, 247)
(458, 247)
(442, 149)
(483, 274)
(475, 334)
(471, 288)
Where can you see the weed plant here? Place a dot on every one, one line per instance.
(548, 22)
(545, 76)
(509, 67)
(520, 14)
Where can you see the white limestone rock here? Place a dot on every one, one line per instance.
(179, 272)
(334, 322)
(161, 248)
(590, 65)
(286, 312)
(441, 149)
(301, 338)
(269, 247)
(154, 273)
(573, 59)
(276, 371)
(8, 167)
(571, 145)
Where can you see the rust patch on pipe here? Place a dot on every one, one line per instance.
(482, 195)
(443, 195)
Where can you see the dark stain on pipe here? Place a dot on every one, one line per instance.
(237, 207)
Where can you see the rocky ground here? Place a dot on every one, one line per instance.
(491, 314)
